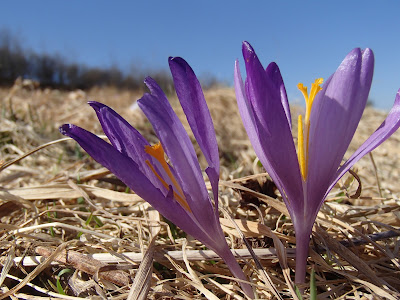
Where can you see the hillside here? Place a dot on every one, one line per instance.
(58, 199)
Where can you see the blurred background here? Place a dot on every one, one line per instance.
(80, 44)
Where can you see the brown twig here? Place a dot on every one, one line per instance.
(87, 264)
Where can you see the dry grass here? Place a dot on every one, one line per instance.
(83, 235)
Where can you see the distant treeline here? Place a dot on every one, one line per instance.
(54, 70)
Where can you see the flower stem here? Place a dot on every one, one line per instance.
(302, 247)
(236, 270)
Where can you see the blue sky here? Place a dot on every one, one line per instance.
(308, 39)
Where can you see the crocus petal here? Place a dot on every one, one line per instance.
(194, 105)
(268, 128)
(179, 216)
(121, 134)
(275, 77)
(213, 177)
(249, 123)
(108, 156)
(181, 153)
(260, 92)
(127, 170)
(387, 128)
(335, 115)
(125, 138)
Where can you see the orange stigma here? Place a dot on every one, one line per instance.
(158, 153)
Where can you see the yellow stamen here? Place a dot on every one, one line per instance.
(303, 90)
(300, 148)
(304, 134)
(157, 152)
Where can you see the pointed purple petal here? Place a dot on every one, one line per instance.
(274, 148)
(213, 177)
(259, 90)
(195, 107)
(127, 170)
(124, 137)
(108, 156)
(173, 137)
(249, 123)
(387, 128)
(275, 77)
(334, 118)
(271, 135)
(180, 217)
(180, 151)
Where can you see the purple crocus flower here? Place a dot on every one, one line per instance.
(175, 189)
(333, 112)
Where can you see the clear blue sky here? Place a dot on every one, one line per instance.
(308, 39)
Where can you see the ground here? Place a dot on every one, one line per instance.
(58, 201)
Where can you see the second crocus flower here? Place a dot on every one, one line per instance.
(333, 111)
(175, 188)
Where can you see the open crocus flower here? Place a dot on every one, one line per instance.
(333, 112)
(176, 189)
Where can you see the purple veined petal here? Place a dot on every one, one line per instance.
(213, 177)
(274, 75)
(264, 93)
(387, 128)
(185, 221)
(276, 151)
(180, 151)
(173, 137)
(121, 134)
(125, 138)
(194, 105)
(127, 170)
(248, 119)
(335, 115)
(108, 156)
(256, 83)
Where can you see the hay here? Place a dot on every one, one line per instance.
(71, 230)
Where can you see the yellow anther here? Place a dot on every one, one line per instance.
(303, 90)
(157, 152)
(300, 148)
(315, 88)
(303, 133)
